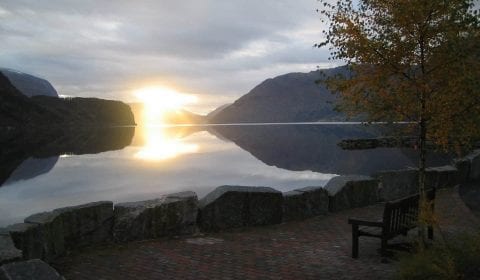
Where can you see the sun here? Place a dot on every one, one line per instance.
(160, 100)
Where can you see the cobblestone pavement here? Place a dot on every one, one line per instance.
(317, 248)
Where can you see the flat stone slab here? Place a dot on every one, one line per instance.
(29, 270)
(8, 251)
(240, 206)
(351, 191)
(170, 215)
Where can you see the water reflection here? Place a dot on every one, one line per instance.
(162, 143)
(28, 154)
(129, 164)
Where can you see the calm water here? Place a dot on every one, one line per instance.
(129, 164)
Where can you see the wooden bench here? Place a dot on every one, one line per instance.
(399, 216)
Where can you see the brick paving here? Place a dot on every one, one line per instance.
(317, 248)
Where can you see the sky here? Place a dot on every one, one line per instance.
(217, 50)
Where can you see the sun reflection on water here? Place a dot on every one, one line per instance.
(161, 145)
(160, 142)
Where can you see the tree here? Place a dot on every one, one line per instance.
(411, 60)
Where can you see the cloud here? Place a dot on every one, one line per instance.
(211, 48)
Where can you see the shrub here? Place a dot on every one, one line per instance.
(459, 259)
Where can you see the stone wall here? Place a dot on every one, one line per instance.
(239, 206)
(49, 235)
(174, 214)
(352, 191)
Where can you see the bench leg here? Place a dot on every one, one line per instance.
(354, 241)
(430, 232)
(383, 248)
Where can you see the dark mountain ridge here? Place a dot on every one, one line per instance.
(19, 110)
(29, 85)
(293, 97)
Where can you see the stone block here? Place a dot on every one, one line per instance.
(239, 206)
(29, 238)
(29, 270)
(87, 224)
(474, 159)
(50, 227)
(351, 191)
(441, 177)
(463, 170)
(8, 251)
(305, 202)
(396, 184)
(170, 215)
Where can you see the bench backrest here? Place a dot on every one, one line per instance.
(401, 215)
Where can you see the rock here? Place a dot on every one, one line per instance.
(50, 225)
(87, 224)
(174, 214)
(397, 184)
(304, 203)
(351, 191)
(238, 206)
(442, 176)
(29, 239)
(29, 270)
(8, 252)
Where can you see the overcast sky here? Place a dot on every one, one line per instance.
(216, 49)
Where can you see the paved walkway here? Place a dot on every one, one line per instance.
(317, 248)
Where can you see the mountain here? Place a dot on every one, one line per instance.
(19, 110)
(180, 116)
(29, 85)
(294, 97)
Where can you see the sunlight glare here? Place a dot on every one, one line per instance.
(160, 100)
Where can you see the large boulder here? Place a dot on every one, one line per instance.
(173, 214)
(305, 202)
(238, 206)
(29, 238)
(29, 270)
(8, 251)
(351, 191)
(87, 224)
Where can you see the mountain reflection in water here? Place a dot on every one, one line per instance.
(64, 168)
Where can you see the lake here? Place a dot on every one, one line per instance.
(62, 168)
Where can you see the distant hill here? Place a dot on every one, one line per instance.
(293, 97)
(29, 85)
(180, 116)
(19, 110)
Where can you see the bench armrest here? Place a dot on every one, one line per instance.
(365, 223)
